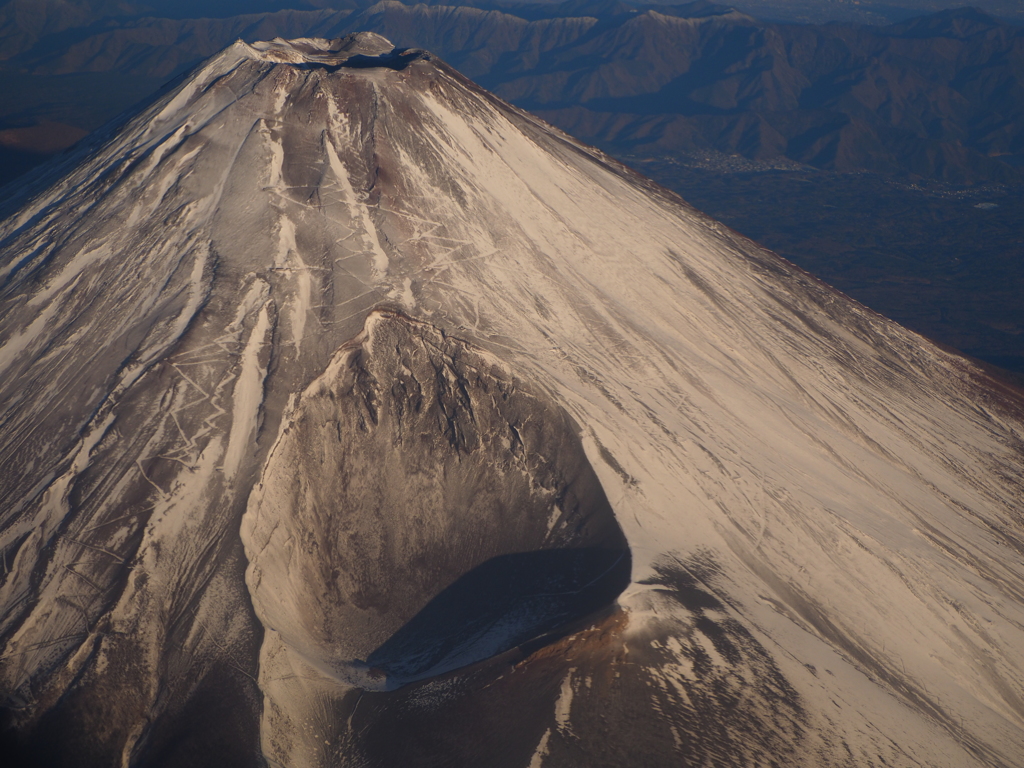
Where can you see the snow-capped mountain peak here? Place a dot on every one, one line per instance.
(339, 395)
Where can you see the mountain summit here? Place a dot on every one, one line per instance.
(350, 416)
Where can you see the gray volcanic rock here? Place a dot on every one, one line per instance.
(350, 416)
(411, 463)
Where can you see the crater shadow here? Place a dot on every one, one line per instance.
(499, 605)
(398, 60)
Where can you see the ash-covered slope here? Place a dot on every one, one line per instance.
(353, 417)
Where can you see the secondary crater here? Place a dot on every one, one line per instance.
(424, 510)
